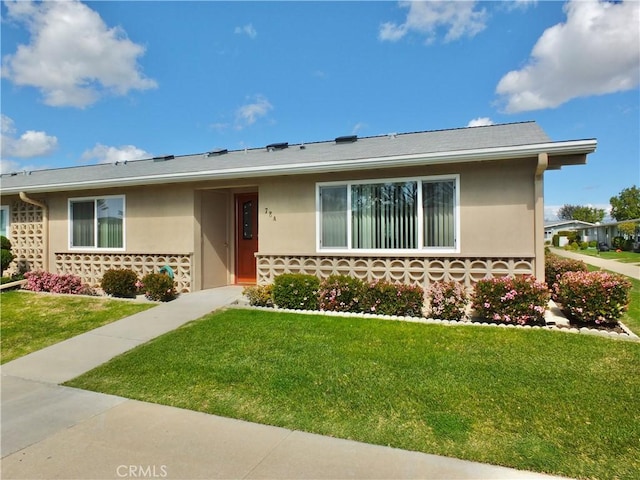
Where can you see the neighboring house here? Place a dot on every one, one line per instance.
(550, 229)
(458, 204)
(606, 232)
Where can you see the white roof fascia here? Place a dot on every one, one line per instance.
(572, 147)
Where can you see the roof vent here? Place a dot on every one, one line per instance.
(347, 139)
(218, 152)
(277, 146)
(163, 158)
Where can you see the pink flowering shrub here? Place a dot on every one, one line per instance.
(386, 298)
(448, 301)
(594, 297)
(556, 266)
(341, 293)
(40, 281)
(520, 300)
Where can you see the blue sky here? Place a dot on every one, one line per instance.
(93, 82)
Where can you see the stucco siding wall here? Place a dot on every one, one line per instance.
(496, 208)
(157, 219)
(287, 220)
(161, 219)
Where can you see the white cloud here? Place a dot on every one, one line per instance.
(247, 30)
(358, 127)
(595, 52)
(73, 57)
(248, 114)
(518, 4)
(9, 166)
(480, 122)
(28, 145)
(106, 154)
(426, 18)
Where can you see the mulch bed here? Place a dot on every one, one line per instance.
(607, 327)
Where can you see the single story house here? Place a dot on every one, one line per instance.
(607, 231)
(550, 229)
(459, 204)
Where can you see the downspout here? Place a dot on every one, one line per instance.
(543, 163)
(45, 228)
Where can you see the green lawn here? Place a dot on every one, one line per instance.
(529, 399)
(625, 257)
(32, 321)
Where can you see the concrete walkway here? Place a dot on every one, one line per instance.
(627, 269)
(50, 431)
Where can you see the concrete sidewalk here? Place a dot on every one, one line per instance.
(627, 269)
(50, 431)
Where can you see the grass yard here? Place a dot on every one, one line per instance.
(31, 321)
(631, 318)
(624, 257)
(529, 399)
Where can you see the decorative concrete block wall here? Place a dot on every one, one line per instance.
(408, 270)
(26, 232)
(90, 267)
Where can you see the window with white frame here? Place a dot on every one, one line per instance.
(394, 214)
(4, 221)
(96, 222)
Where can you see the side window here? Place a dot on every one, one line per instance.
(4, 221)
(97, 223)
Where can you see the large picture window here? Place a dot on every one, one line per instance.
(398, 214)
(96, 222)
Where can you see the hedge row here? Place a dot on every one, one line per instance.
(591, 297)
(122, 283)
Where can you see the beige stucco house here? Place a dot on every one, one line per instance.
(456, 204)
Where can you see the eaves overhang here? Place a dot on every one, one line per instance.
(574, 151)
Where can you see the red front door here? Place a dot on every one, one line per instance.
(246, 237)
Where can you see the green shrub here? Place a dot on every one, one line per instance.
(555, 266)
(594, 297)
(5, 243)
(555, 240)
(448, 301)
(386, 298)
(520, 300)
(6, 257)
(296, 291)
(341, 293)
(158, 287)
(259, 295)
(573, 246)
(120, 283)
(618, 243)
(593, 243)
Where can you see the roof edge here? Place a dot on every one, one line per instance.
(556, 149)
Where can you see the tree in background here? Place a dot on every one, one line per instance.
(626, 206)
(582, 213)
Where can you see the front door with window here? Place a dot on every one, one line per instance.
(246, 237)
